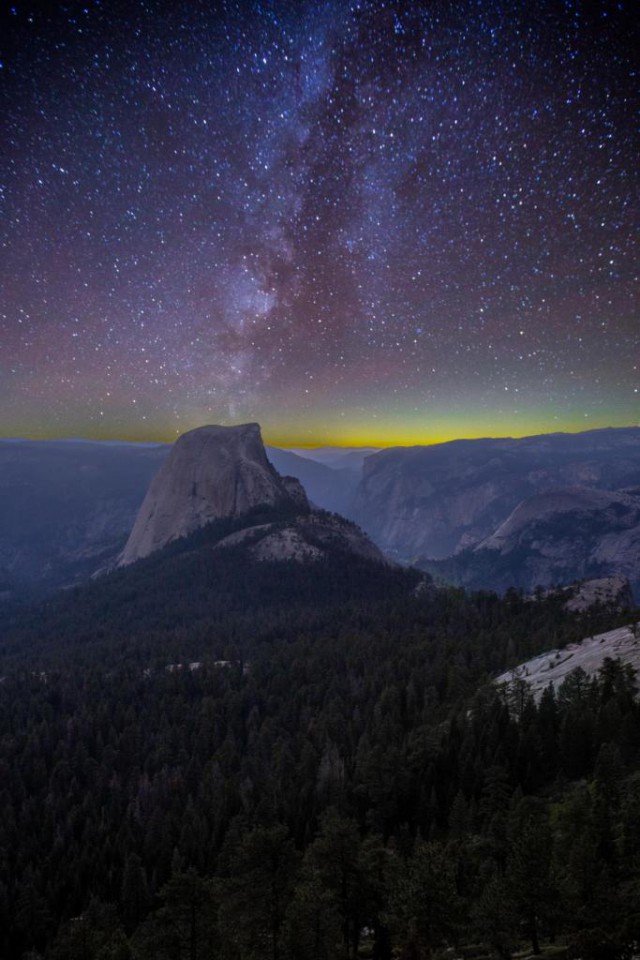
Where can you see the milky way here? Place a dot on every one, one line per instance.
(353, 222)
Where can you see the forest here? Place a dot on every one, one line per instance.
(204, 756)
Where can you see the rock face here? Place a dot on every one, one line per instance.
(565, 507)
(566, 535)
(555, 538)
(440, 500)
(211, 472)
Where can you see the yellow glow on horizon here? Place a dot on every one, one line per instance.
(349, 429)
(442, 429)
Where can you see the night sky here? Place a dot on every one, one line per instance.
(354, 222)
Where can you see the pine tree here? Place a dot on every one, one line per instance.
(424, 907)
(135, 900)
(256, 895)
(528, 874)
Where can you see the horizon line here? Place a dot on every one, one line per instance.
(313, 445)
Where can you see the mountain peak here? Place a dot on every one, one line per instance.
(211, 472)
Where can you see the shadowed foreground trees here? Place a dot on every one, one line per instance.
(424, 909)
(335, 778)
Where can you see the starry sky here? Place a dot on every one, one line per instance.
(361, 222)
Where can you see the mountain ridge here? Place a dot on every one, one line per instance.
(441, 500)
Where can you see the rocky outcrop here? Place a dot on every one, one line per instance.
(440, 500)
(554, 666)
(614, 592)
(211, 472)
(296, 491)
(306, 538)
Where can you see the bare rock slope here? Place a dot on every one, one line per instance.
(589, 655)
(211, 472)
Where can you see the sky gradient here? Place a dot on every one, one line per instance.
(366, 222)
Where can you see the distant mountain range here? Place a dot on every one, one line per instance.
(489, 513)
(340, 458)
(499, 512)
(67, 507)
